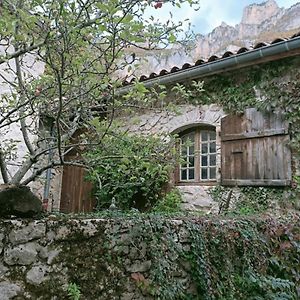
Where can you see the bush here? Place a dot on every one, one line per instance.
(131, 169)
(170, 203)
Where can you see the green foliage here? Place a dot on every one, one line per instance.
(247, 200)
(244, 259)
(191, 258)
(170, 203)
(131, 169)
(74, 291)
(75, 49)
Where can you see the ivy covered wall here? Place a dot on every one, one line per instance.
(268, 87)
(150, 257)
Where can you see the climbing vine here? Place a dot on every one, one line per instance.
(199, 258)
(270, 87)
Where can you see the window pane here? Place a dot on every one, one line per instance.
(183, 174)
(191, 174)
(212, 136)
(203, 173)
(191, 150)
(204, 148)
(212, 147)
(191, 161)
(212, 160)
(183, 151)
(212, 173)
(204, 136)
(184, 164)
(188, 139)
(204, 161)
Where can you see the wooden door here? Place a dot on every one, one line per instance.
(255, 150)
(76, 192)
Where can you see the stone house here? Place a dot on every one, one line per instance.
(232, 141)
(250, 148)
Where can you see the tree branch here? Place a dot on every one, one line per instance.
(22, 51)
(3, 167)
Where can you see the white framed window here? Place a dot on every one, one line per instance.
(198, 153)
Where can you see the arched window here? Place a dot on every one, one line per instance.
(198, 154)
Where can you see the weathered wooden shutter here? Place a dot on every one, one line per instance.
(255, 150)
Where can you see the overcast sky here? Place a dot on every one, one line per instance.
(212, 12)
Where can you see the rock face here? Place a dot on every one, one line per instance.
(258, 13)
(260, 22)
(18, 201)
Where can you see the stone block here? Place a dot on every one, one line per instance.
(37, 274)
(127, 296)
(23, 234)
(3, 270)
(24, 254)
(139, 266)
(1, 241)
(9, 290)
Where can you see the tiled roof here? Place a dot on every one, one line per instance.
(212, 58)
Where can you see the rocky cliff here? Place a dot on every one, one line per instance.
(260, 22)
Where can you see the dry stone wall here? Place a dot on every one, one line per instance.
(107, 259)
(149, 257)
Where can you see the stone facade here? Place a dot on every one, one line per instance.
(187, 116)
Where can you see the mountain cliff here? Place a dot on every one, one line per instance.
(260, 22)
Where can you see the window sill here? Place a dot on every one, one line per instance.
(202, 183)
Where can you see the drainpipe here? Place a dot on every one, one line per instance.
(224, 64)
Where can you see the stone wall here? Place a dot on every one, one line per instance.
(139, 257)
(107, 259)
(186, 116)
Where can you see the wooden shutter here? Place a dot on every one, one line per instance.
(255, 150)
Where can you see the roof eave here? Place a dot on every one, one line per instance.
(287, 48)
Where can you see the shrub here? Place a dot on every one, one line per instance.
(131, 169)
(170, 203)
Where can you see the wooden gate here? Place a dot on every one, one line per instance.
(76, 192)
(255, 150)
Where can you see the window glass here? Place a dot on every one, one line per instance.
(191, 174)
(212, 174)
(212, 147)
(204, 136)
(204, 148)
(183, 174)
(212, 160)
(204, 173)
(187, 148)
(212, 135)
(204, 161)
(191, 150)
(191, 161)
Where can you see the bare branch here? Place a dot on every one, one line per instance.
(21, 110)
(50, 166)
(20, 52)
(3, 167)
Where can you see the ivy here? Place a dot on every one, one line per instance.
(248, 200)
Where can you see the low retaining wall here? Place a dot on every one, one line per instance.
(139, 257)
